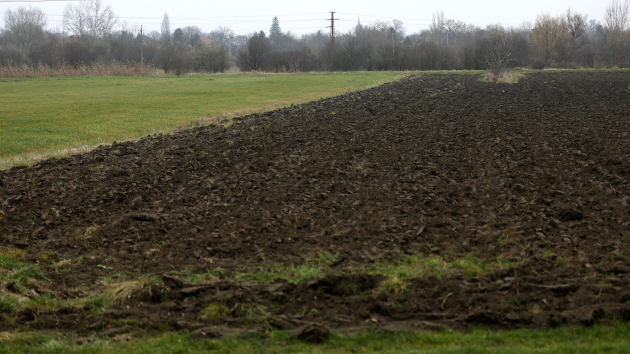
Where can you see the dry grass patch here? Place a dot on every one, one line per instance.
(100, 69)
(506, 76)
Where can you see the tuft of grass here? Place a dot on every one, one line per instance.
(395, 285)
(147, 287)
(327, 258)
(215, 312)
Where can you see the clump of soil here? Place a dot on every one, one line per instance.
(534, 172)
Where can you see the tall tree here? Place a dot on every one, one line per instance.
(89, 20)
(546, 33)
(25, 29)
(166, 30)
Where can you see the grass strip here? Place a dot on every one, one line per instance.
(613, 338)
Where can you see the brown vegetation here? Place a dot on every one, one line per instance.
(99, 69)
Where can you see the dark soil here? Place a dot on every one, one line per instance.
(535, 172)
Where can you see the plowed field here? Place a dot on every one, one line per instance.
(529, 181)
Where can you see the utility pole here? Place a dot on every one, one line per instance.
(332, 20)
(141, 45)
(393, 40)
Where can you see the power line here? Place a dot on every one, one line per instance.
(1, 1)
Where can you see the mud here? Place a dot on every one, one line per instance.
(534, 172)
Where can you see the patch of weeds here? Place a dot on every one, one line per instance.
(7, 303)
(210, 180)
(57, 265)
(395, 285)
(96, 168)
(562, 262)
(96, 303)
(515, 302)
(349, 288)
(88, 233)
(45, 302)
(48, 257)
(249, 310)
(22, 276)
(421, 266)
(471, 266)
(327, 258)
(215, 312)
(210, 274)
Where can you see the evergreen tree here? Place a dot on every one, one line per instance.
(178, 35)
(275, 28)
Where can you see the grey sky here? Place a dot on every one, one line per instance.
(244, 17)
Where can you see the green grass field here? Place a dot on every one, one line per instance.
(596, 339)
(46, 117)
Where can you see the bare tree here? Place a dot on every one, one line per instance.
(617, 16)
(219, 34)
(617, 22)
(166, 30)
(89, 19)
(190, 32)
(545, 34)
(437, 22)
(576, 23)
(25, 29)
(399, 28)
(500, 49)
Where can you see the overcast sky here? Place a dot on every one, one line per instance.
(299, 17)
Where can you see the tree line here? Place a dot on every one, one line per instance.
(93, 34)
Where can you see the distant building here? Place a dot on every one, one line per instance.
(206, 40)
(236, 41)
